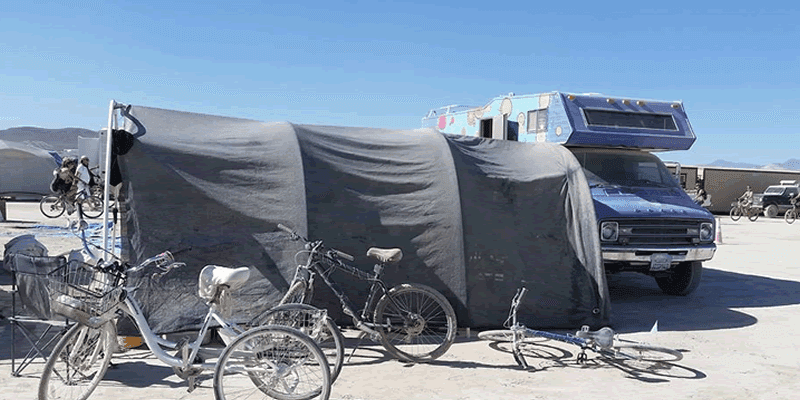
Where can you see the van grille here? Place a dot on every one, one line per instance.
(658, 231)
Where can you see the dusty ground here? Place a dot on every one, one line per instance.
(736, 332)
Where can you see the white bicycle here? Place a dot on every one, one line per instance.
(263, 362)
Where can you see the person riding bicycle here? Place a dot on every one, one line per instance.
(700, 194)
(746, 199)
(64, 182)
(63, 177)
(83, 178)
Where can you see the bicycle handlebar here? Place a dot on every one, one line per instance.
(156, 276)
(164, 261)
(319, 247)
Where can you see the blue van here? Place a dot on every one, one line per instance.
(646, 222)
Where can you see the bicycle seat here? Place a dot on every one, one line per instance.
(603, 337)
(386, 256)
(214, 276)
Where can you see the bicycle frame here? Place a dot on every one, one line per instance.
(520, 331)
(157, 344)
(189, 349)
(364, 321)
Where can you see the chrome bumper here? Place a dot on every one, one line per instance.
(627, 254)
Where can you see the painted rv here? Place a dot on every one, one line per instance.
(646, 222)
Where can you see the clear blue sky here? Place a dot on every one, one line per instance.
(734, 64)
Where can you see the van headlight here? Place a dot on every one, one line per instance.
(609, 231)
(706, 232)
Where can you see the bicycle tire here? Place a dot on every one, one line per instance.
(240, 371)
(500, 335)
(431, 332)
(68, 372)
(92, 207)
(507, 335)
(752, 214)
(643, 352)
(790, 216)
(299, 292)
(736, 213)
(52, 206)
(297, 316)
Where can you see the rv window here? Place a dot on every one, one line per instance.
(537, 121)
(621, 119)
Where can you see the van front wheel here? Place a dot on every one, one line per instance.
(684, 279)
(771, 211)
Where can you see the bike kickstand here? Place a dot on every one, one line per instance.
(582, 356)
(361, 336)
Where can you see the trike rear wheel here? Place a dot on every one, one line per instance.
(304, 318)
(272, 360)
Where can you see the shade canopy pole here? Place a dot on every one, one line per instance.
(106, 184)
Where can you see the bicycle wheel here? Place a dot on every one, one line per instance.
(416, 323)
(303, 317)
(752, 214)
(506, 335)
(501, 335)
(275, 361)
(92, 207)
(736, 213)
(643, 352)
(52, 206)
(790, 216)
(299, 292)
(78, 362)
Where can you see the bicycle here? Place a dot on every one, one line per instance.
(739, 209)
(603, 341)
(791, 214)
(276, 361)
(53, 206)
(414, 322)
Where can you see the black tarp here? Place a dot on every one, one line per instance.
(475, 218)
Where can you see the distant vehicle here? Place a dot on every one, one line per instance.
(725, 184)
(776, 199)
(645, 222)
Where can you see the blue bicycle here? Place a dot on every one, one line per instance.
(603, 342)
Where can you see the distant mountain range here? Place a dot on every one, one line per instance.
(791, 164)
(67, 138)
(47, 139)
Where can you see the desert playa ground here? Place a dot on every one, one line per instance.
(737, 333)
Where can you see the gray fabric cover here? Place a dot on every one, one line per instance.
(27, 259)
(475, 218)
(25, 169)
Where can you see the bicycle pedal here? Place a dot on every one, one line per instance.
(192, 384)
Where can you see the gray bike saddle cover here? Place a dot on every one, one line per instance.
(214, 276)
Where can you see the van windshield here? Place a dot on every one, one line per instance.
(623, 168)
(774, 190)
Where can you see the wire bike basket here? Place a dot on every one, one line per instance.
(85, 294)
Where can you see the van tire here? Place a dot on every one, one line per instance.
(684, 279)
(771, 211)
